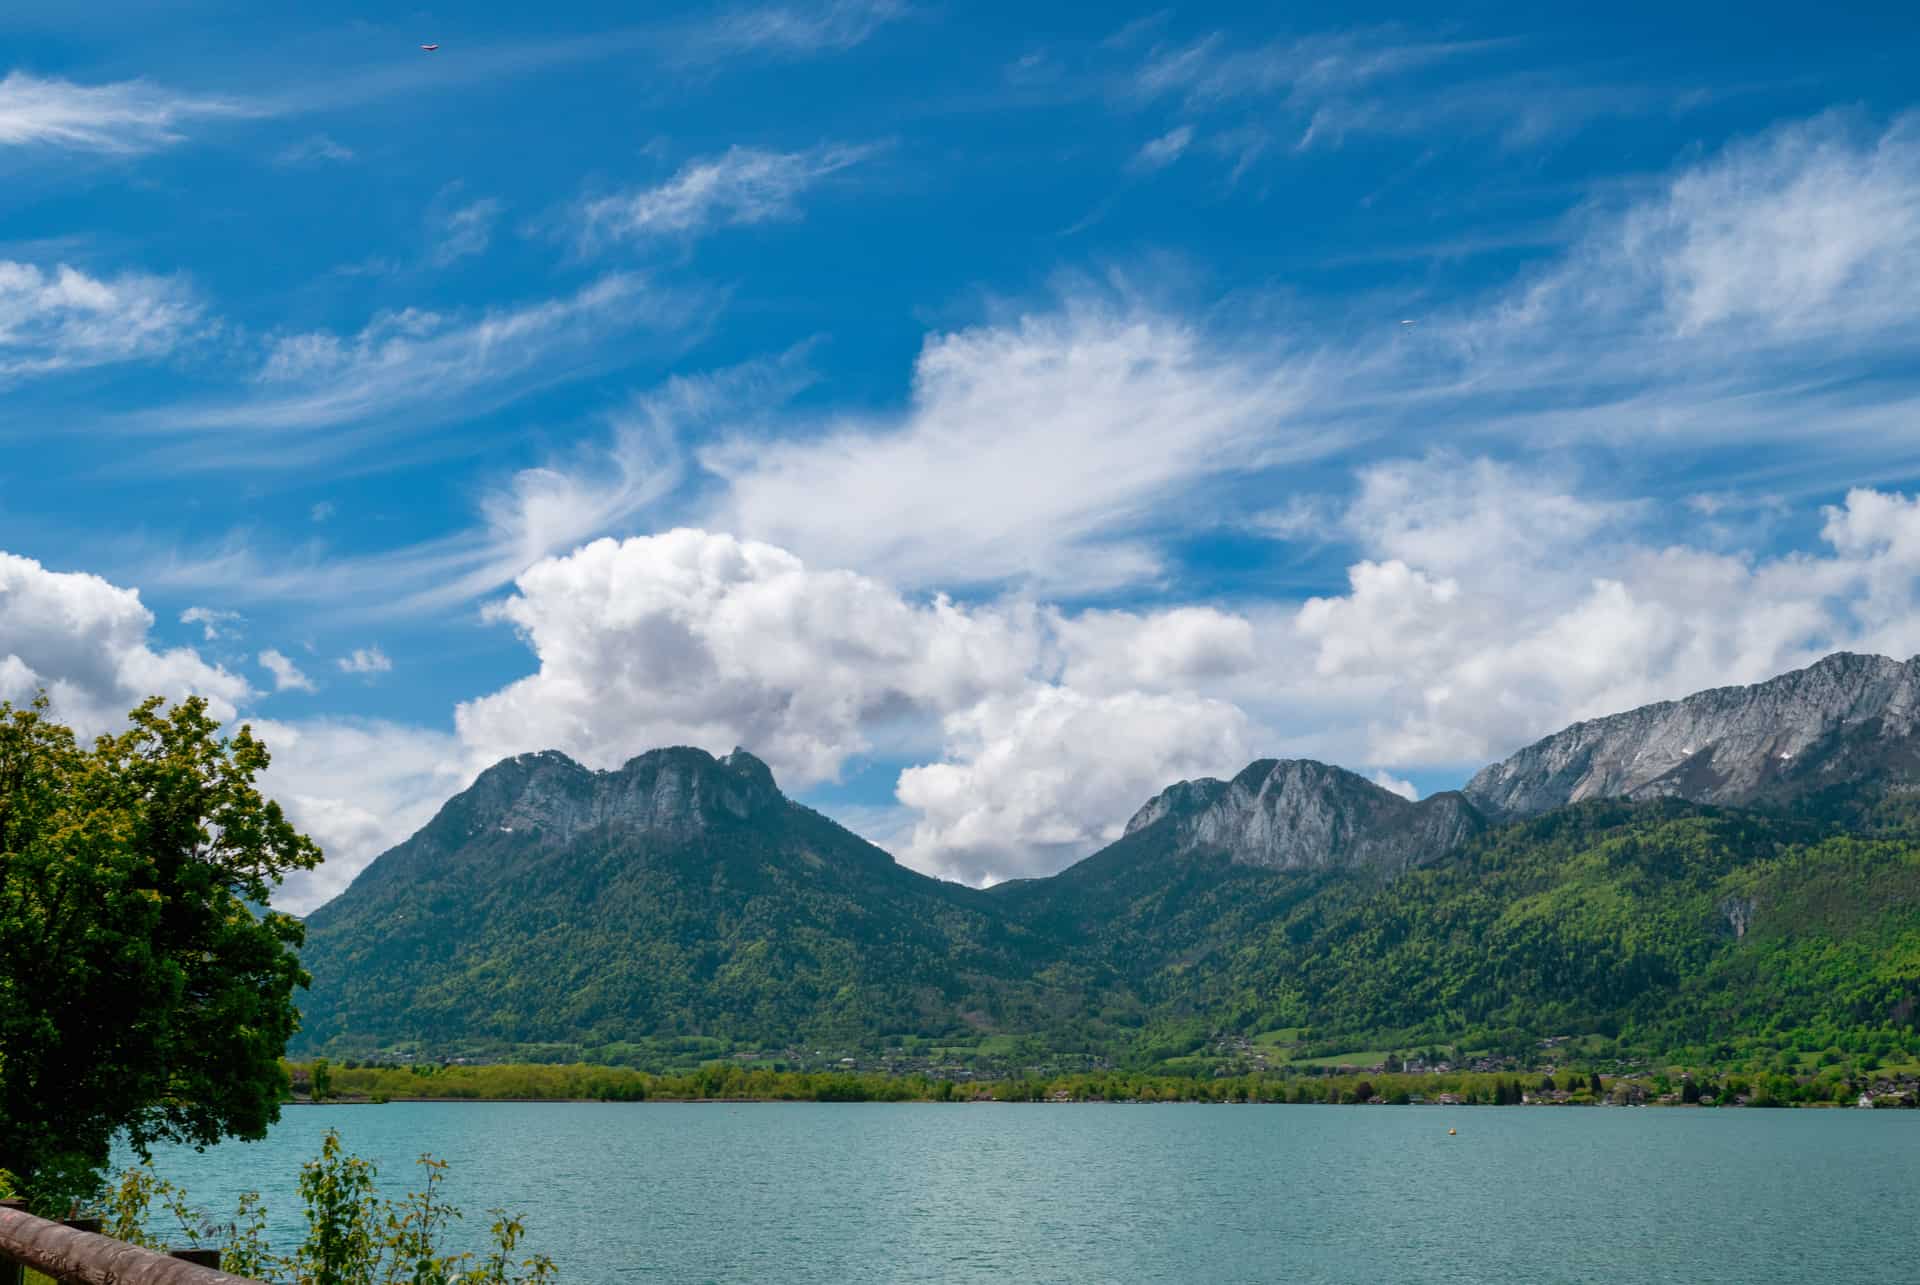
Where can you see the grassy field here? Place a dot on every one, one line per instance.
(1361, 1058)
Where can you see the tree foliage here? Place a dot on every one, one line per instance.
(140, 993)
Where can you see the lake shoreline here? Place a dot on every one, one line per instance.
(1547, 1086)
(1078, 1102)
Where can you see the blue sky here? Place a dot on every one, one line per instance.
(989, 419)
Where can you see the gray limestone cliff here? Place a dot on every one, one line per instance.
(1846, 720)
(674, 794)
(1297, 814)
(682, 790)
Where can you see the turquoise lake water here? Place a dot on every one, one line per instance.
(925, 1193)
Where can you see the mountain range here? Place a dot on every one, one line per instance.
(1730, 866)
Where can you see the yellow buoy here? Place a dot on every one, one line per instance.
(1452, 1132)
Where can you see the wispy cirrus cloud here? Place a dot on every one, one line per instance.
(792, 29)
(741, 186)
(1054, 448)
(316, 394)
(1492, 592)
(315, 148)
(60, 318)
(1319, 90)
(1211, 71)
(464, 231)
(1035, 451)
(1715, 305)
(1809, 229)
(120, 117)
(1158, 153)
(528, 515)
(698, 47)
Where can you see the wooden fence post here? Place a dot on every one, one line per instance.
(11, 1271)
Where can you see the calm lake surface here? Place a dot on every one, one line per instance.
(947, 1193)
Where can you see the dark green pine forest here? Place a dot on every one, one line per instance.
(683, 907)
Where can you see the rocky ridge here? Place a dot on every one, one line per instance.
(1299, 814)
(678, 791)
(1845, 720)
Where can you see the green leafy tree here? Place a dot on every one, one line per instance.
(140, 993)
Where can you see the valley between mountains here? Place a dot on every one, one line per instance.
(1736, 870)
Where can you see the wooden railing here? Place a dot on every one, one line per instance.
(75, 1253)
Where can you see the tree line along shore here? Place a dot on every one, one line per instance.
(322, 1081)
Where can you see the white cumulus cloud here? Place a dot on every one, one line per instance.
(695, 638)
(1395, 784)
(214, 624)
(287, 676)
(1034, 733)
(1033, 781)
(365, 660)
(1530, 609)
(357, 787)
(86, 643)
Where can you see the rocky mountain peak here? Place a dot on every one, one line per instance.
(1182, 798)
(679, 790)
(1848, 719)
(750, 770)
(1293, 814)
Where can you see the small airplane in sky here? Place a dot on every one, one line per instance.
(429, 48)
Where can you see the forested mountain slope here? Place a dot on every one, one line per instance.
(1664, 923)
(679, 895)
(684, 896)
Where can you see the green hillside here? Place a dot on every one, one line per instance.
(769, 928)
(1665, 925)
(766, 928)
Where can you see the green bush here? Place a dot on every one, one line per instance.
(353, 1236)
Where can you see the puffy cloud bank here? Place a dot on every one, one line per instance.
(1487, 606)
(1048, 729)
(85, 643)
